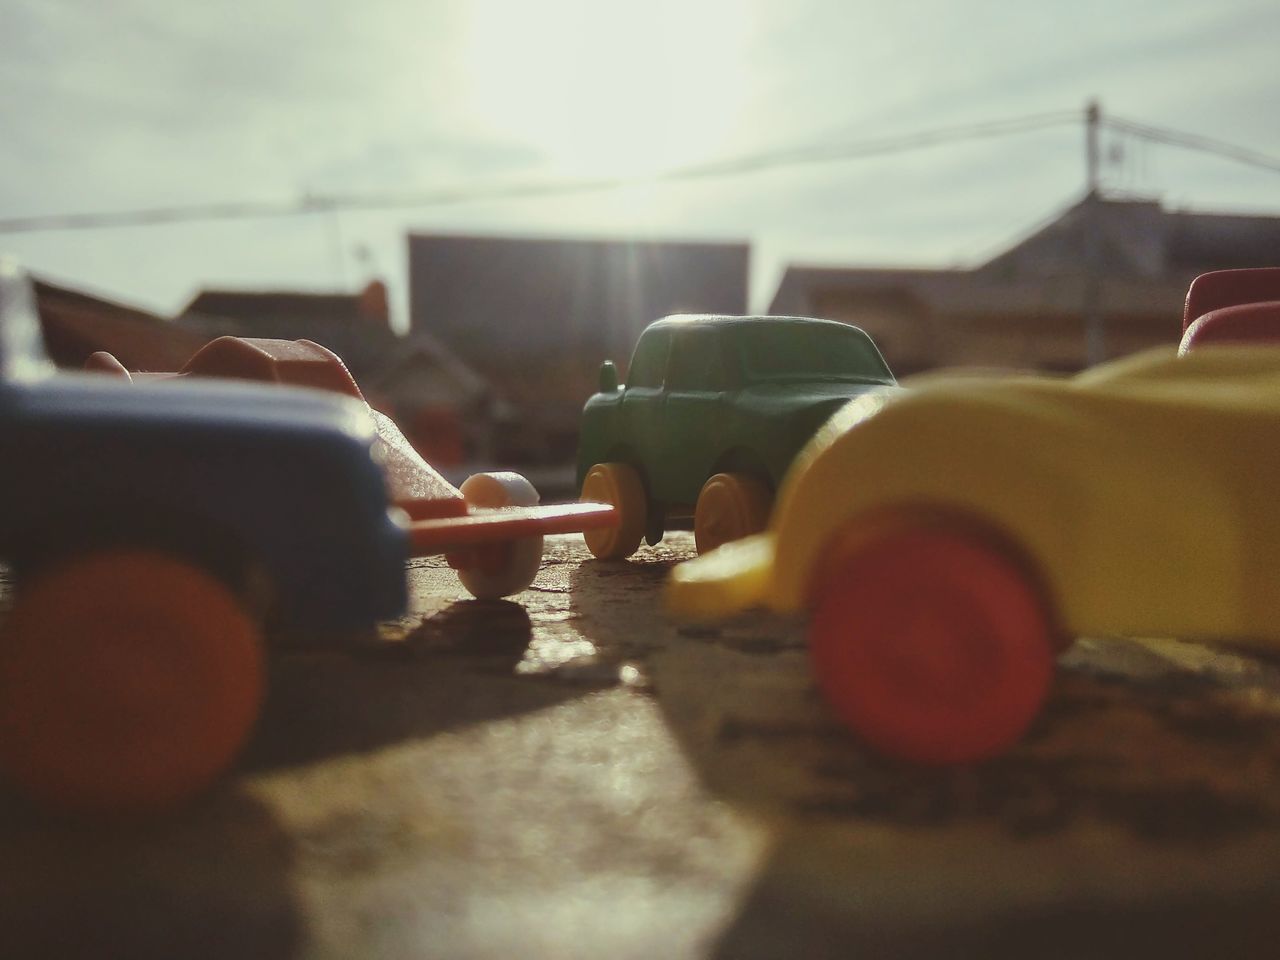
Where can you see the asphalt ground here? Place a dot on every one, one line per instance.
(570, 775)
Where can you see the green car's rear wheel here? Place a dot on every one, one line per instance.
(620, 485)
(932, 644)
(730, 506)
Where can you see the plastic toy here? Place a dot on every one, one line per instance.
(154, 527)
(947, 540)
(713, 412)
(492, 557)
(1232, 306)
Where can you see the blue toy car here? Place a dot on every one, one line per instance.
(154, 527)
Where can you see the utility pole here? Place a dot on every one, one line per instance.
(1092, 114)
(1091, 299)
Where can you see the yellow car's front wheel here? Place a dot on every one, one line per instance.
(618, 484)
(932, 644)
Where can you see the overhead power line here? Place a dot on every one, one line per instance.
(828, 152)
(824, 153)
(736, 166)
(1194, 141)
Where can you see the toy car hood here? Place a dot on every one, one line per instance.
(1141, 470)
(230, 403)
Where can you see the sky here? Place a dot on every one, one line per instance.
(150, 103)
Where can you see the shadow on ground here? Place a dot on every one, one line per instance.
(212, 881)
(454, 669)
(1138, 817)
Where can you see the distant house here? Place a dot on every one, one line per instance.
(537, 316)
(355, 326)
(442, 406)
(1027, 307)
(76, 324)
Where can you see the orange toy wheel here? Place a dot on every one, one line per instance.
(128, 681)
(932, 645)
(730, 506)
(620, 485)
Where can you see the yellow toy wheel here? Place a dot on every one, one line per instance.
(618, 484)
(128, 681)
(731, 506)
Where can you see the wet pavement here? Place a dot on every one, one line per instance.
(570, 775)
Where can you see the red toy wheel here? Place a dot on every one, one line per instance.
(932, 645)
(128, 681)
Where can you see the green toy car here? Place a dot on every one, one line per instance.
(713, 412)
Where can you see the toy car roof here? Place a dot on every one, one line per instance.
(716, 319)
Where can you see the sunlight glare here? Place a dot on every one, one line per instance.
(606, 89)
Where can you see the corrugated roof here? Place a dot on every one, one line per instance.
(352, 325)
(1146, 256)
(269, 307)
(76, 324)
(1201, 242)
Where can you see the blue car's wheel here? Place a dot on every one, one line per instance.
(129, 679)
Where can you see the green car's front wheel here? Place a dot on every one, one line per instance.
(618, 484)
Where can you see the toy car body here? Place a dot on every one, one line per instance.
(729, 399)
(153, 526)
(231, 475)
(948, 538)
(490, 528)
(1232, 306)
(1092, 476)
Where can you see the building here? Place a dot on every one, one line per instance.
(537, 316)
(356, 326)
(1126, 262)
(77, 324)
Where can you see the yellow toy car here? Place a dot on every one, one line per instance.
(948, 539)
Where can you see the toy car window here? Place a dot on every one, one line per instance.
(649, 359)
(696, 361)
(818, 351)
(21, 349)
